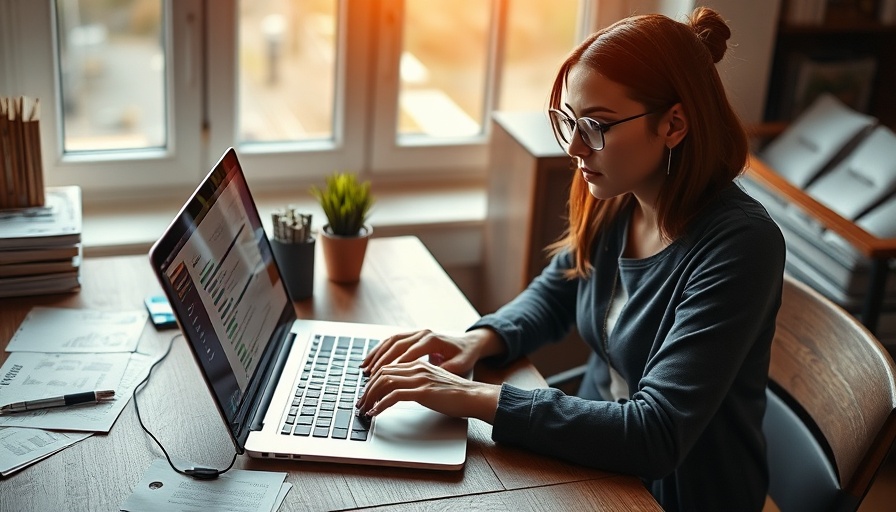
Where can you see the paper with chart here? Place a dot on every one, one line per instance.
(34, 375)
(20, 447)
(78, 330)
(239, 490)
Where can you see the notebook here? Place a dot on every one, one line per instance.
(282, 385)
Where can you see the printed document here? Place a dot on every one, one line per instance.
(78, 330)
(239, 490)
(21, 447)
(35, 375)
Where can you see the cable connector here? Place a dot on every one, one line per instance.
(202, 473)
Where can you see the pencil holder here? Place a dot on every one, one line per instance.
(296, 263)
(21, 168)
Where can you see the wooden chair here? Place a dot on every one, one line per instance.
(831, 417)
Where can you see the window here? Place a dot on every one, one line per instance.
(111, 75)
(287, 70)
(539, 37)
(97, 130)
(140, 95)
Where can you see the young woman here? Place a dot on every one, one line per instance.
(668, 270)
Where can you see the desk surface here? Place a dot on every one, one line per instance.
(396, 288)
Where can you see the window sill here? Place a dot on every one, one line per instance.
(448, 220)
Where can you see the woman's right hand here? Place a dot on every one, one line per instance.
(456, 354)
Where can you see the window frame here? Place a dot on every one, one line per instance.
(35, 72)
(201, 74)
(392, 153)
(292, 161)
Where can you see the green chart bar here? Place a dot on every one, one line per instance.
(206, 272)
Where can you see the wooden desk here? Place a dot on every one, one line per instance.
(401, 284)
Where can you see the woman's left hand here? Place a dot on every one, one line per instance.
(431, 387)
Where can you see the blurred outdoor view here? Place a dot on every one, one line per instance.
(112, 68)
(112, 59)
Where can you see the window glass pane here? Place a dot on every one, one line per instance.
(540, 33)
(287, 67)
(443, 67)
(112, 60)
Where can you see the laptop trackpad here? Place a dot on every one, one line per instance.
(412, 423)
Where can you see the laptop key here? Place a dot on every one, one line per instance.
(287, 428)
(342, 419)
(330, 379)
(362, 422)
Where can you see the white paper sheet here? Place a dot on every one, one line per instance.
(238, 490)
(34, 375)
(21, 447)
(61, 330)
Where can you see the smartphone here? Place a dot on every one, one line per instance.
(160, 312)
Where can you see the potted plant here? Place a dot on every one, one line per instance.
(346, 203)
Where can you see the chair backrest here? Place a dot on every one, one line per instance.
(834, 385)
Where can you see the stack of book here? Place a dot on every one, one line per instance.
(40, 247)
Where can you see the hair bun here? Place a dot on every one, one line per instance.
(712, 31)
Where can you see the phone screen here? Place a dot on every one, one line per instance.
(160, 312)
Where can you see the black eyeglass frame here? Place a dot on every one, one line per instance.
(602, 128)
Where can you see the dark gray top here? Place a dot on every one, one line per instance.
(692, 342)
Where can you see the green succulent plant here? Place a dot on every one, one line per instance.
(346, 203)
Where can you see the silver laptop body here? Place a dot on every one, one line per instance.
(215, 264)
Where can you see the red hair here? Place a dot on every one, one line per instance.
(661, 62)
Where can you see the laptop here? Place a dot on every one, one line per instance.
(285, 387)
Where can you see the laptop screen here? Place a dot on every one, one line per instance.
(216, 266)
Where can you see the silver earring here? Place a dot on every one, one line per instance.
(669, 164)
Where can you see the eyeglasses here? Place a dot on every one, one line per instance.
(591, 131)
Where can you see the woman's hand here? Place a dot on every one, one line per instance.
(430, 386)
(456, 354)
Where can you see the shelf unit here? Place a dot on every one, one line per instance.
(528, 188)
(879, 251)
(849, 31)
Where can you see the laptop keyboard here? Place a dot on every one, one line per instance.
(324, 401)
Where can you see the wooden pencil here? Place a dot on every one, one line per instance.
(27, 169)
(4, 155)
(14, 153)
(36, 154)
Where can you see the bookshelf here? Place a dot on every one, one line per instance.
(847, 37)
(879, 250)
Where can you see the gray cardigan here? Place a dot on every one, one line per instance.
(692, 342)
